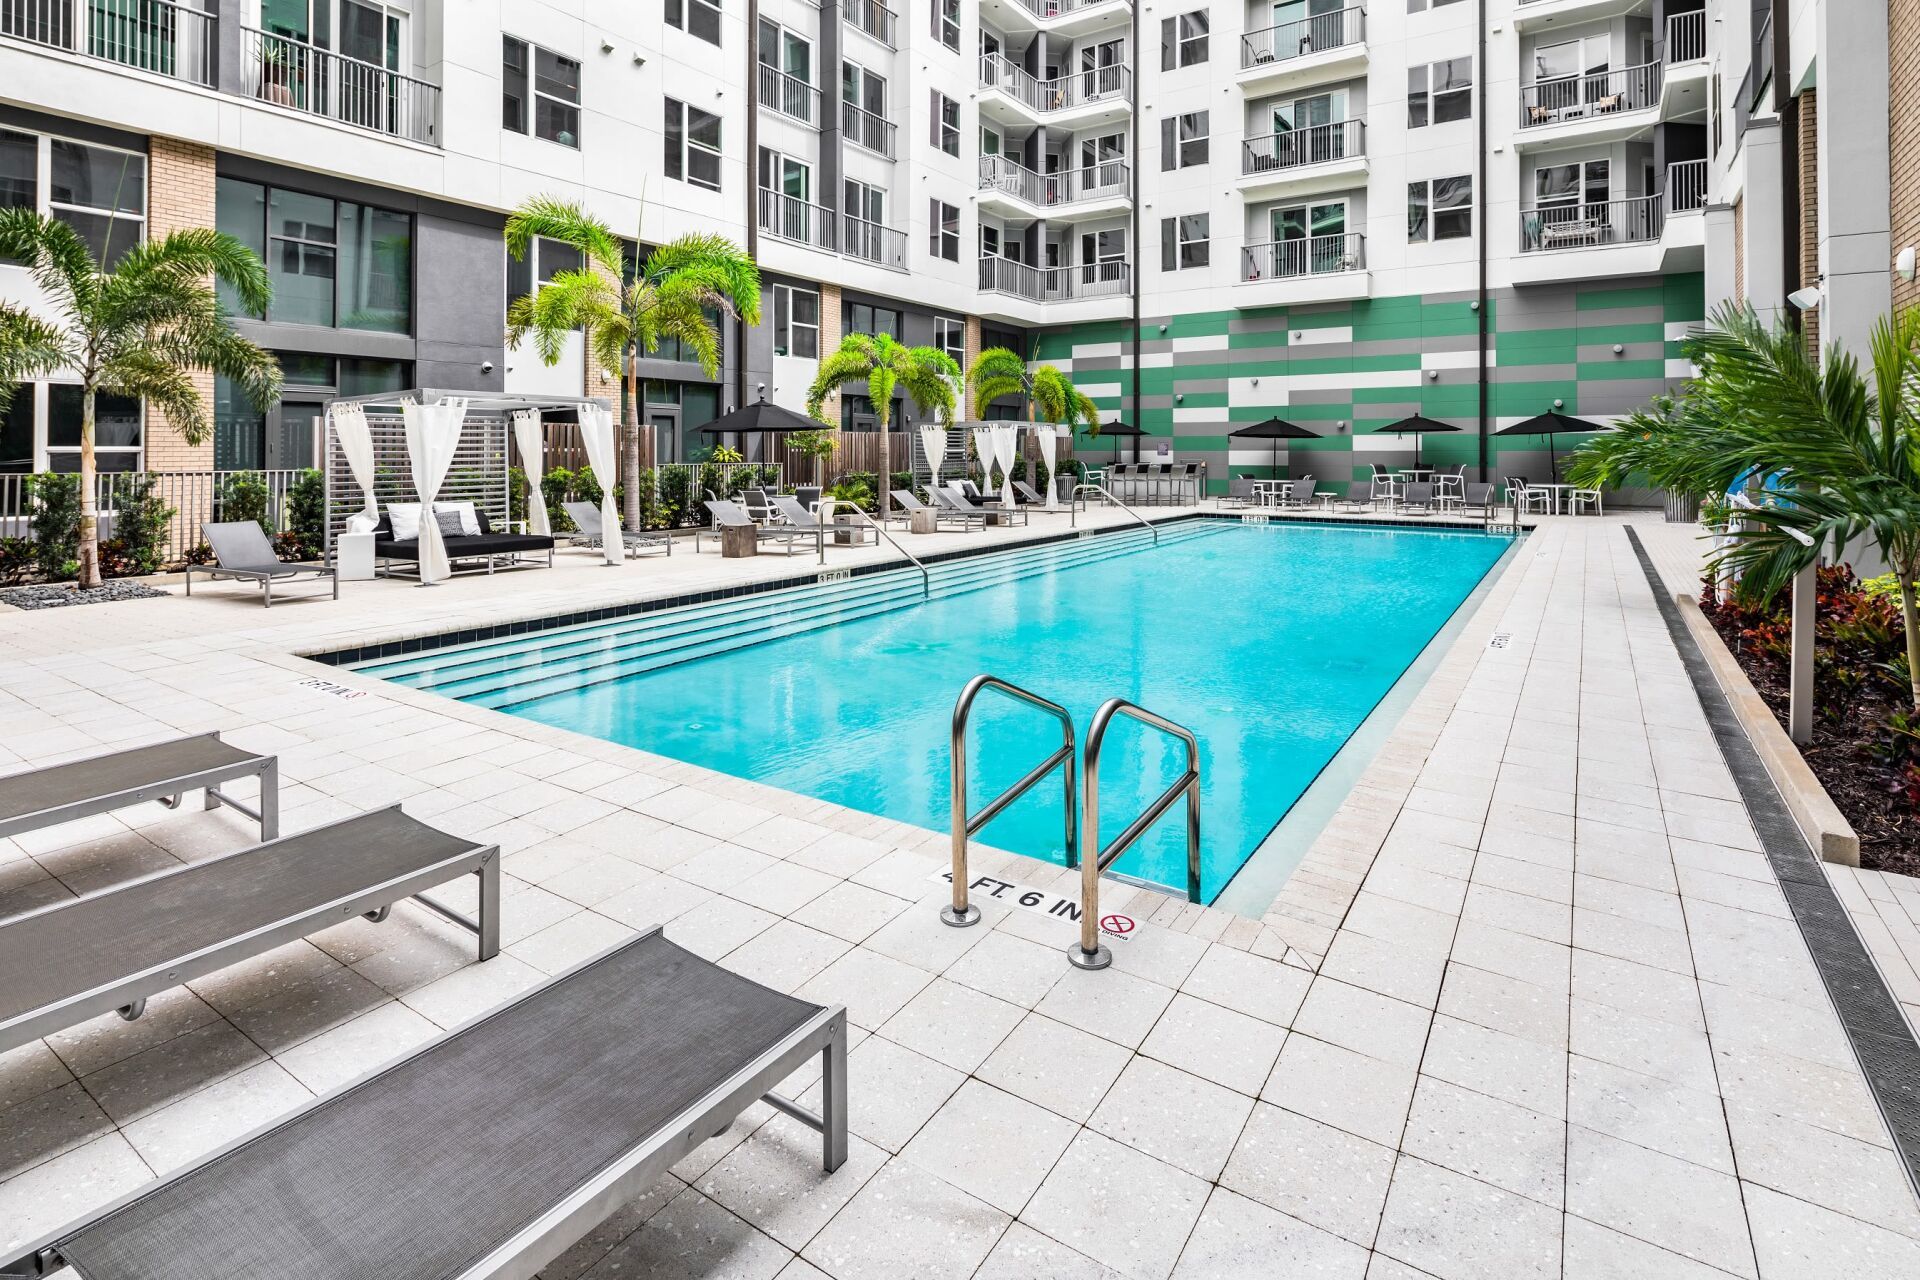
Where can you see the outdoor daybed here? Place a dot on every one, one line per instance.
(491, 547)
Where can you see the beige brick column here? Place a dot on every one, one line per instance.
(1740, 249)
(180, 195)
(1808, 150)
(830, 335)
(1903, 137)
(598, 381)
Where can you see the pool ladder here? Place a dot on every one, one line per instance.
(1082, 820)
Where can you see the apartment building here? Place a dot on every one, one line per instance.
(1209, 212)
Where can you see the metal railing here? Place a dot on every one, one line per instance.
(961, 913)
(790, 218)
(1308, 256)
(293, 74)
(1315, 144)
(873, 242)
(865, 129)
(1063, 93)
(1054, 284)
(1581, 225)
(788, 95)
(873, 18)
(1292, 40)
(1686, 186)
(1088, 953)
(1095, 182)
(1103, 491)
(1584, 97)
(829, 506)
(160, 36)
(194, 496)
(1686, 36)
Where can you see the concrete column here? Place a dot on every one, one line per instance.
(1855, 240)
(1720, 286)
(1764, 277)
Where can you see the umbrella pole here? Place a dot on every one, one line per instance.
(1553, 461)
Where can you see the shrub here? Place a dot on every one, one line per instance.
(517, 489)
(306, 534)
(17, 560)
(244, 496)
(586, 487)
(139, 530)
(556, 486)
(674, 483)
(56, 525)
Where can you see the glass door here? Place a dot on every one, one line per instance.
(1309, 238)
(1100, 67)
(663, 421)
(369, 95)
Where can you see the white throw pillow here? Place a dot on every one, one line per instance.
(406, 520)
(469, 519)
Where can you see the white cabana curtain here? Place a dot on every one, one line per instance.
(1049, 445)
(933, 443)
(433, 436)
(349, 423)
(529, 439)
(983, 446)
(1006, 444)
(596, 432)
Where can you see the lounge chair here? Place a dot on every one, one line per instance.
(1299, 494)
(241, 550)
(1029, 496)
(1417, 497)
(941, 514)
(728, 514)
(798, 517)
(1240, 492)
(114, 948)
(162, 771)
(1478, 498)
(587, 522)
(489, 1151)
(994, 514)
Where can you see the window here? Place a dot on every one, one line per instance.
(1440, 210)
(786, 77)
(16, 431)
(331, 263)
(693, 145)
(989, 241)
(946, 23)
(116, 429)
(875, 321)
(796, 322)
(950, 336)
(1572, 184)
(19, 170)
(695, 17)
(552, 109)
(1183, 40)
(1440, 92)
(1184, 242)
(1183, 140)
(544, 260)
(943, 230)
(945, 123)
(100, 193)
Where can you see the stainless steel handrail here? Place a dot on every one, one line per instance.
(1088, 953)
(961, 913)
(926, 579)
(1151, 527)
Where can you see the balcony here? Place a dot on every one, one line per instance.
(156, 36)
(1059, 17)
(1585, 240)
(1602, 107)
(1686, 186)
(1686, 37)
(1081, 96)
(1683, 54)
(1325, 46)
(1581, 225)
(1014, 190)
(1310, 269)
(789, 96)
(865, 129)
(872, 242)
(789, 218)
(1018, 292)
(1321, 157)
(874, 18)
(1530, 15)
(305, 78)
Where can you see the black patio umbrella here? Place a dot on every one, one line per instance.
(1550, 424)
(1276, 430)
(1416, 426)
(1117, 429)
(758, 419)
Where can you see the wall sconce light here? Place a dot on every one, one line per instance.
(1618, 349)
(1474, 305)
(1433, 375)
(1178, 397)
(639, 60)
(1559, 403)
(1903, 263)
(606, 46)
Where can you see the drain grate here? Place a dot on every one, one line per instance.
(1882, 1040)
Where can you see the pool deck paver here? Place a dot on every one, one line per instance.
(1533, 1005)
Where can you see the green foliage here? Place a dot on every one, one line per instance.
(16, 560)
(244, 496)
(55, 524)
(518, 488)
(724, 453)
(1050, 394)
(586, 487)
(305, 537)
(555, 487)
(676, 497)
(139, 537)
(854, 489)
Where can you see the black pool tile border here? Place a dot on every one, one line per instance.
(1882, 1040)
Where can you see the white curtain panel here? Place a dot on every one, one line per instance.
(433, 436)
(983, 445)
(933, 443)
(1006, 444)
(596, 432)
(1049, 445)
(349, 423)
(530, 439)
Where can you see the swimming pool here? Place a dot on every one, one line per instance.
(1271, 643)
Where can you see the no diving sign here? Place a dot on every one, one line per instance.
(1043, 902)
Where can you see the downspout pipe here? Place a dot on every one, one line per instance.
(1480, 303)
(752, 186)
(1133, 235)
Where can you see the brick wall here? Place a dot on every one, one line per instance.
(970, 352)
(1740, 249)
(180, 195)
(830, 322)
(1809, 179)
(598, 381)
(1903, 137)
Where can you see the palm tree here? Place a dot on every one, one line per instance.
(675, 293)
(1048, 392)
(928, 374)
(141, 329)
(1840, 451)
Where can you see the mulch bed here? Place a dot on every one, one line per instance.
(62, 595)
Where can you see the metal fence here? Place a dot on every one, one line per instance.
(195, 497)
(1581, 97)
(1306, 256)
(873, 18)
(1055, 284)
(1099, 181)
(865, 129)
(1686, 186)
(1063, 93)
(160, 36)
(1687, 36)
(788, 95)
(1315, 144)
(1580, 224)
(294, 74)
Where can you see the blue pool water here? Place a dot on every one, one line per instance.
(1271, 643)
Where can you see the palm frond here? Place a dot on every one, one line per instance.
(165, 386)
(551, 218)
(56, 257)
(714, 264)
(29, 348)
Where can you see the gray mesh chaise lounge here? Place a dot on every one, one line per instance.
(163, 771)
(730, 514)
(486, 1153)
(111, 949)
(586, 520)
(941, 514)
(241, 550)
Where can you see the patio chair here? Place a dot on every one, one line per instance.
(995, 514)
(1384, 486)
(798, 517)
(758, 505)
(587, 522)
(728, 514)
(241, 551)
(1583, 498)
(162, 771)
(1417, 497)
(1479, 498)
(1299, 494)
(489, 1151)
(1239, 492)
(941, 514)
(1526, 498)
(807, 495)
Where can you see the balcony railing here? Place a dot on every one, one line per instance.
(873, 18)
(1686, 186)
(789, 218)
(1292, 40)
(1059, 8)
(292, 74)
(789, 95)
(1064, 93)
(1581, 225)
(1686, 37)
(1309, 256)
(872, 242)
(1055, 284)
(1099, 181)
(863, 128)
(1584, 97)
(1316, 144)
(149, 35)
